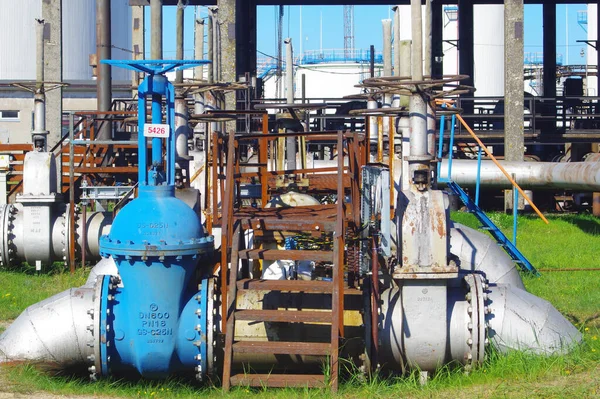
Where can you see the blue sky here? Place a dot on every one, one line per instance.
(367, 28)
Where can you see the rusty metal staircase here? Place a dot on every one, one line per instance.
(281, 222)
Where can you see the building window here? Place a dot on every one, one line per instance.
(9, 116)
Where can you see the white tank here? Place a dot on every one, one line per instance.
(18, 27)
(488, 49)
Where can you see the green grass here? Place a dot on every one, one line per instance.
(569, 241)
(19, 290)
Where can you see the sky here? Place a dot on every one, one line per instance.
(367, 29)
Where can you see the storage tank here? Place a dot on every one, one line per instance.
(18, 45)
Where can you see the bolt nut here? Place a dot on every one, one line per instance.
(469, 341)
(92, 369)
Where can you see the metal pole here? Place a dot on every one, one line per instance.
(156, 15)
(387, 47)
(39, 98)
(372, 61)
(179, 34)
(71, 213)
(418, 108)
(210, 45)
(397, 41)
(156, 53)
(103, 52)
(478, 180)
(427, 31)
(290, 149)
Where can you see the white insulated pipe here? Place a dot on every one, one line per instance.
(581, 176)
(417, 106)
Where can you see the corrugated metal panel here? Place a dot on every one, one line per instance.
(17, 44)
(121, 36)
(79, 38)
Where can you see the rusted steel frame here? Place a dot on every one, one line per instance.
(215, 155)
(337, 325)
(263, 159)
(226, 229)
(391, 152)
(489, 154)
(310, 136)
(291, 172)
(228, 298)
(379, 139)
(238, 112)
(311, 286)
(283, 347)
(287, 225)
(286, 316)
(16, 147)
(291, 254)
(71, 246)
(106, 169)
(95, 113)
(375, 300)
(357, 181)
(279, 380)
(303, 212)
(83, 231)
(208, 167)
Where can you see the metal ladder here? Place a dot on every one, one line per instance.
(282, 222)
(488, 225)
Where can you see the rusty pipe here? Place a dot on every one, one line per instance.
(375, 300)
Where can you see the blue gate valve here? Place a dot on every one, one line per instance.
(152, 318)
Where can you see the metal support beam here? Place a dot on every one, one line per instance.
(437, 37)
(549, 71)
(103, 52)
(514, 142)
(52, 15)
(227, 47)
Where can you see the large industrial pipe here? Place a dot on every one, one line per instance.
(512, 318)
(581, 176)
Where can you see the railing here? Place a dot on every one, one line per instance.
(448, 104)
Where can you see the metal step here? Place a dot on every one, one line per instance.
(279, 380)
(283, 348)
(285, 316)
(291, 254)
(310, 286)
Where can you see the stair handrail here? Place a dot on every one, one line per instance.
(493, 158)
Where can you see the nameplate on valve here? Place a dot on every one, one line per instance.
(159, 130)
